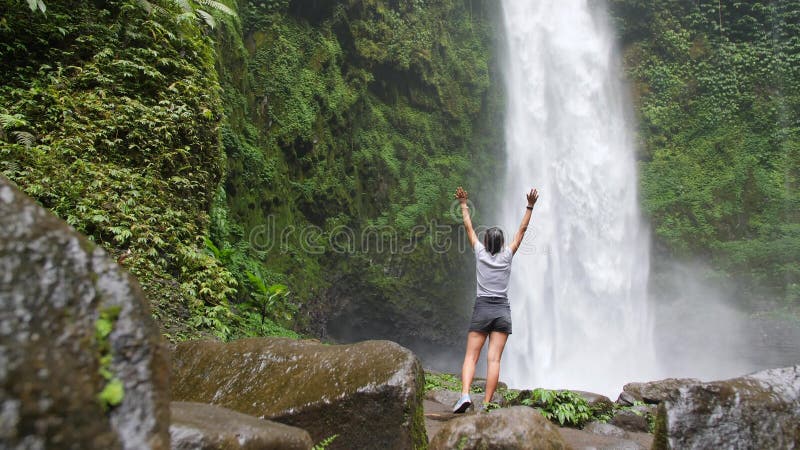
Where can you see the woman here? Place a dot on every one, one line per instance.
(491, 315)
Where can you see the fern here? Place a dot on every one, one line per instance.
(37, 4)
(323, 444)
(9, 121)
(217, 6)
(24, 138)
(207, 18)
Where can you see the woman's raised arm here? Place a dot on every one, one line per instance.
(532, 196)
(462, 197)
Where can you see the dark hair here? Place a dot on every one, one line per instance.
(493, 240)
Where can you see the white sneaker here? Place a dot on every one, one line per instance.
(463, 403)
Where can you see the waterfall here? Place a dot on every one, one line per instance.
(578, 286)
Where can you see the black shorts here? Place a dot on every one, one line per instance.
(491, 314)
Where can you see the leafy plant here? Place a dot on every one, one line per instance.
(39, 5)
(323, 444)
(490, 406)
(441, 381)
(215, 319)
(564, 407)
(270, 301)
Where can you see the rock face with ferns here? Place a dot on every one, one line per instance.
(189, 151)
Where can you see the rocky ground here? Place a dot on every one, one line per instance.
(438, 413)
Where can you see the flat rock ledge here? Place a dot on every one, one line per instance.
(517, 427)
(198, 426)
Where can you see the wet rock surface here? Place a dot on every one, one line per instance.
(54, 284)
(369, 393)
(198, 426)
(761, 410)
(518, 427)
(585, 440)
(630, 420)
(657, 391)
(605, 429)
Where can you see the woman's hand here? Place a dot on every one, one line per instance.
(461, 195)
(532, 196)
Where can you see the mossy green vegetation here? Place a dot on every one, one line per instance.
(172, 133)
(123, 105)
(350, 117)
(717, 88)
(450, 382)
(113, 391)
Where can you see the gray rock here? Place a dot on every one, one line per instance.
(599, 403)
(369, 393)
(761, 410)
(623, 444)
(54, 284)
(630, 420)
(605, 429)
(443, 396)
(626, 399)
(657, 391)
(518, 427)
(197, 426)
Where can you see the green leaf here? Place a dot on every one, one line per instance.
(112, 394)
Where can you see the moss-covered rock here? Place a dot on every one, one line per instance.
(370, 393)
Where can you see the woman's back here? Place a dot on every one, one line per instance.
(492, 271)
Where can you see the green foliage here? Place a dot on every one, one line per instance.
(39, 5)
(113, 391)
(717, 86)
(112, 394)
(169, 148)
(118, 136)
(359, 114)
(450, 382)
(441, 381)
(490, 406)
(323, 444)
(564, 407)
(270, 301)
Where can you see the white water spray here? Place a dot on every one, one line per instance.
(578, 287)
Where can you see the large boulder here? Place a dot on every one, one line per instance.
(198, 426)
(517, 427)
(369, 393)
(657, 391)
(82, 364)
(761, 410)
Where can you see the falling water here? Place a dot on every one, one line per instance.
(578, 288)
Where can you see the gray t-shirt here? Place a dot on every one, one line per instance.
(492, 271)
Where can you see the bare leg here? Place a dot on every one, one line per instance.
(475, 342)
(497, 342)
